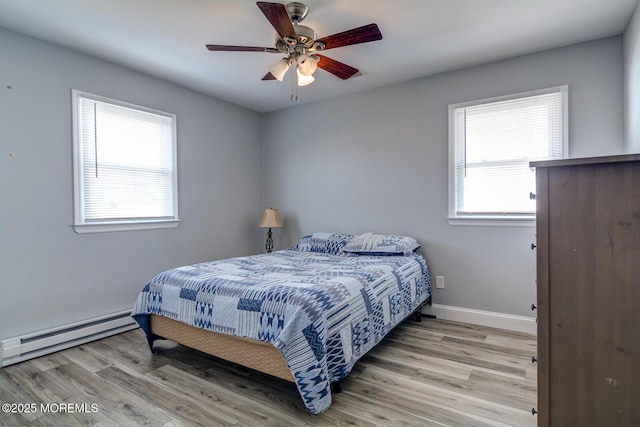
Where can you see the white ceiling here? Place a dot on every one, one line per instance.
(166, 38)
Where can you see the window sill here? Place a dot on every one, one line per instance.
(493, 221)
(105, 227)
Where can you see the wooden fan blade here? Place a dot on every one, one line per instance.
(277, 15)
(225, 48)
(365, 34)
(269, 76)
(336, 68)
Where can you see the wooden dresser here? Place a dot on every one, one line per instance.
(588, 308)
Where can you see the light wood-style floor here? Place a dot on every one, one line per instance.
(425, 373)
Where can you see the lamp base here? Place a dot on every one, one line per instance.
(269, 245)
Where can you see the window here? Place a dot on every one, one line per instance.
(125, 175)
(491, 143)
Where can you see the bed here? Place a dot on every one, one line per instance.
(305, 314)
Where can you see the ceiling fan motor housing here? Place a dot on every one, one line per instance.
(306, 35)
(303, 43)
(297, 11)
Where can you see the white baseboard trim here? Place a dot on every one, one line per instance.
(509, 322)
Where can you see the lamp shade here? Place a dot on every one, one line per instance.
(270, 219)
(307, 65)
(304, 80)
(279, 69)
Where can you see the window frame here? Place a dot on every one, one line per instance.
(518, 220)
(81, 225)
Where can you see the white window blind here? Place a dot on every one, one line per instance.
(493, 142)
(125, 158)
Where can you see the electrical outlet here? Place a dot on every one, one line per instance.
(440, 282)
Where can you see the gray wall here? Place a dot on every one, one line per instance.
(370, 161)
(632, 83)
(377, 161)
(49, 275)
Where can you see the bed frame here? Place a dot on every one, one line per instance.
(257, 355)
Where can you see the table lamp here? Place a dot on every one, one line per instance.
(270, 219)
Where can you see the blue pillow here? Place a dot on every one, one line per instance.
(381, 244)
(329, 243)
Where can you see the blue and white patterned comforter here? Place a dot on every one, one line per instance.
(321, 311)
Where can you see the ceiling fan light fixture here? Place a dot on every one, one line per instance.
(307, 65)
(298, 44)
(279, 69)
(303, 79)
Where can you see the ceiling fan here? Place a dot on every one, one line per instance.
(300, 46)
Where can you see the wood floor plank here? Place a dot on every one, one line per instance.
(371, 413)
(115, 403)
(398, 354)
(45, 393)
(110, 423)
(28, 385)
(469, 355)
(491, 348)
(516, 340)
(46, 385)
(219, 397)
(86, 357)
(429, 373)
(465, 330)
(408, 394)
(387, 401)
(12, 392)
(500, 389)
(64, 418)
(492, 345)
(185, 409)
(50, 361)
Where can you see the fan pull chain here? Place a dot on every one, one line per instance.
(294, 82)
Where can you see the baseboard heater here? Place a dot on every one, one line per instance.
(29, 346)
